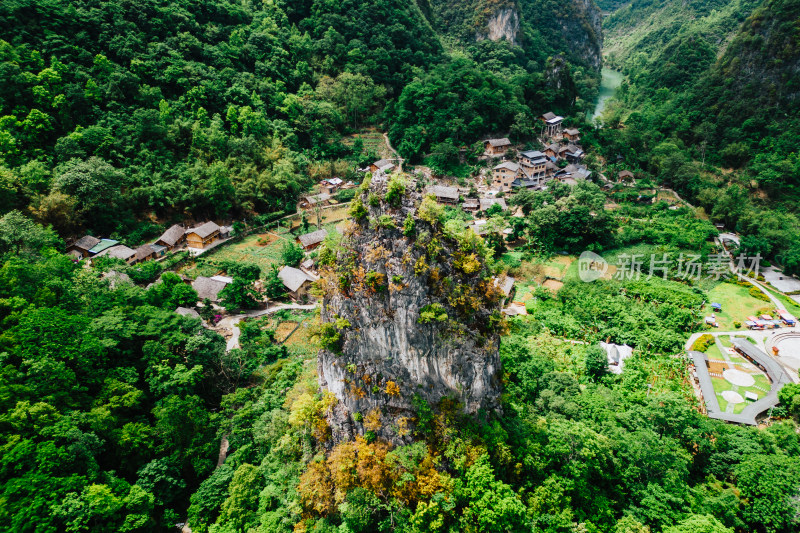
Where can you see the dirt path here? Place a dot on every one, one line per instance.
(230, 322)
(224, 445)
(391, 149)
(666, 189)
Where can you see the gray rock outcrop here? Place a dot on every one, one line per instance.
(503, 24)
(417, 317)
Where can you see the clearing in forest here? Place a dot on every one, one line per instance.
(737, 304)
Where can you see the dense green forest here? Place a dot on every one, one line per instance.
(120, 118)
(113, 407)
(710, 108)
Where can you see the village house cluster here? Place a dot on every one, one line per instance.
(327, 187)
(196, 239)
(532, 169)
(560, 159)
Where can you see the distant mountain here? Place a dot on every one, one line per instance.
(711, 107)
(541, 28)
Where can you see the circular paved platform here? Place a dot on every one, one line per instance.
(732, 397)
(789, 350)
(737, 377)
(791, 362)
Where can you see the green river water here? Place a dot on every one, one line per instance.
(611, 79)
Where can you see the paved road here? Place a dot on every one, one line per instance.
(774, 300)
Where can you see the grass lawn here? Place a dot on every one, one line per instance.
(725, 340)
(737, 304)
(714, 353)
(248, 250)
(721, 385)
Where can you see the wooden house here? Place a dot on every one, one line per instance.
(574, 153)
(486, 203)
(296, 282)
(444, 195)
(208, 288)
(119, 251)
(309, 241)
(504, 174)
(572, 134)
(311, 201)
(80, 248)
(384, 165)
(188, 311)
(496, 147)
(506, 285)
(173, 237)
(625, 175)
(523, 183)
(470, 205)
(116, 278)
(307, 266)
(202, 236)
(552, 150)
(143, 253)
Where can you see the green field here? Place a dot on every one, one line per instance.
(737, 304)
(372, 141)
(248, 250)
(714, 353)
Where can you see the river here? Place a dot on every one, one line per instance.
(610, 81)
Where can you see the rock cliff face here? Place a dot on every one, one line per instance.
(406, 316)
(541, 28)
(503, 24)
(583, 32)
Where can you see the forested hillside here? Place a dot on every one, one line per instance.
(710, 107)
(117, 113)
(113, 111)
(118, 119)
